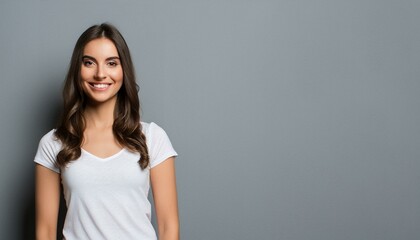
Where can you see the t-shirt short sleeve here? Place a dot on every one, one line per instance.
(160, 147)
(48, 149)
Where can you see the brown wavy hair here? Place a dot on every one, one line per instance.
(126, 126)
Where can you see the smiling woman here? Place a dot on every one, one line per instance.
(101, 71)
(103, 154)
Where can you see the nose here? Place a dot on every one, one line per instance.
(100, 73)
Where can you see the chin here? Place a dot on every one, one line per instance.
(99, 100)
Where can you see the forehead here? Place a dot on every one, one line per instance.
(100, 48)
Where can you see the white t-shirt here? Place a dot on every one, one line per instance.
(106, 198)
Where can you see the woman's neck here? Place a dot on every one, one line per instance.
(100, 115)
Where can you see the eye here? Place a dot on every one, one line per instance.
(112, 63)
(87, 63)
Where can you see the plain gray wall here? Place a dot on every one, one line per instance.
(292, 119)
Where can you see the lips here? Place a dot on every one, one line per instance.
(100, 86)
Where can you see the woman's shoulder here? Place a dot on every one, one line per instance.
(151, 128)
(148, 127)
(144, 125)
(50, 138)
(159, 146)
(48, 148)
(153, 131)
(50, 141)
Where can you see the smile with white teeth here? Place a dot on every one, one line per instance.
(100, 85)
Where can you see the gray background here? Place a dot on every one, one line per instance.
(292, 119)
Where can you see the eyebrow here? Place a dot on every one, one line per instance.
(92, 58)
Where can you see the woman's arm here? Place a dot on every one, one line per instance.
(163, 184)
(47, 201)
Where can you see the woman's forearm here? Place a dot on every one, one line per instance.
(43, 233)
(169, 232)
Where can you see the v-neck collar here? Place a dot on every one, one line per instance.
(106, 158)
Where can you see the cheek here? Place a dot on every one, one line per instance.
(117, 75)
(85, 74)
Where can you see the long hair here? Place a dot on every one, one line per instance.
(126, 126)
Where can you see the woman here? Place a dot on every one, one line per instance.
(104, 156)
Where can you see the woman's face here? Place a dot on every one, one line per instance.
(101, 71)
